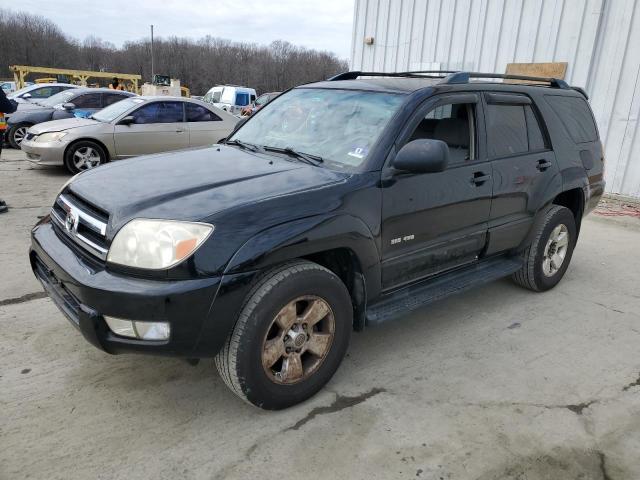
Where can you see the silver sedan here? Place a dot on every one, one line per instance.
(131, 127)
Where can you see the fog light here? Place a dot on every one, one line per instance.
(124, 328)
(152, 330)
(140, 330)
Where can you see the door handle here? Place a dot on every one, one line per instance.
(179, 131)
(543, 165)
(479, 178)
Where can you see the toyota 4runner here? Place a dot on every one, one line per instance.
(340, 204)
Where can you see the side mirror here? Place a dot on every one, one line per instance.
(69, 106)
(422, 156)
(26, 96)
(128, 120)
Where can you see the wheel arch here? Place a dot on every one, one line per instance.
(343, 244)
(574, 200)
(87, 139)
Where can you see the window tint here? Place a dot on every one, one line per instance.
(449, 123)
(506, 130)
(197, 113)
(159, 112)
(536, 138)
(242, 99)
(216, 96)
(575, 116)
(90, 100)
(44, 92)
(262, 99)
(111, 98)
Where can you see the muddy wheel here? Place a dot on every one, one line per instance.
(547, 258)
(290, 337)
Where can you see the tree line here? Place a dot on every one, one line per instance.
(27, 39)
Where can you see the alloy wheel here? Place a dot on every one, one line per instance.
(298, 340)
(19, 134)
(555, 250)
(85, 158)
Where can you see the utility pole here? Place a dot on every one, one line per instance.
(151, 53)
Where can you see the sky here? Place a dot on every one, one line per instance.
(317, 24)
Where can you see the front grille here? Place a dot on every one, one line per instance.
(82, 223)
(65, 300)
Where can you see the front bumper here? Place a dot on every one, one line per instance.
(85, 291)
(44, 153)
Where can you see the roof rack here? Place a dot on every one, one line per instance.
(452, 77)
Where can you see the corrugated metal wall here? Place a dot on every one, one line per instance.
(600, 39)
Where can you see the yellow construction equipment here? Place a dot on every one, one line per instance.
(21, 71)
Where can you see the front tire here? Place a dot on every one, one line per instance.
(547, 258)
(290, 337)
(84, 155)
(16, 134)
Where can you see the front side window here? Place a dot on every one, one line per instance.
(44, 92)
(159, 112)
(454, 125)
(262, 99)
(341, 126)
(506, 130)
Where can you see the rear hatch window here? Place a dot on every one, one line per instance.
(575, 115)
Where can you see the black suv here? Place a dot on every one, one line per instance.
(340, 204)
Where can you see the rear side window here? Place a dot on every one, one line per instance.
(90, 100)
(506, 130)
(197, 113)
(111, 98)
(576, 117)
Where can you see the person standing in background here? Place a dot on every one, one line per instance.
(115, 84)
(6, 106)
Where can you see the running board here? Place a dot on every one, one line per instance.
(418, 295)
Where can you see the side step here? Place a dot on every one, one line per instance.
(415, 296)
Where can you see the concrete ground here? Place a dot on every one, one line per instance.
(496, 383)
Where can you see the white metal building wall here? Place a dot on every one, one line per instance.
(600, 39)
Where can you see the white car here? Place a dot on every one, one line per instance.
(10, 87)
(231, 98)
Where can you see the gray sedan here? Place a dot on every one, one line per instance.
(131, 127)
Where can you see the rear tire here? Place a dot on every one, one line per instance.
(16, 134)
(548, 256)
(84, 155)
(273, 366)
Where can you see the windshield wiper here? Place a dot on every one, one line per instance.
(246, 146)
(305, 157)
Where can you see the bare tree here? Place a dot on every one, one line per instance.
(199, 64)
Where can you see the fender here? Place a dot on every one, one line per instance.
(307, 236)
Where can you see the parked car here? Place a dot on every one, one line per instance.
(260, 102)
(230, 98)
(79, 102)
(345, 203)
(131, 127)
(39, 91)
(10, 86)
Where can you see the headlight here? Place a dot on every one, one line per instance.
(157, 244)
(50, 137)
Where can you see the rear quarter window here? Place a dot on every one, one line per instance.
(576, 117)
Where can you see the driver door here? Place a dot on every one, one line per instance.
(157, 127)
(432, 222)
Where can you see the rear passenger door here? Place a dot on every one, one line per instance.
(523, 167)
(157, 127)
(432, 222)
(205, 127)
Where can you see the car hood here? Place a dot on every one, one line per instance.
(194, 184)
(65, 124)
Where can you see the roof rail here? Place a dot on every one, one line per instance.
(452, 76)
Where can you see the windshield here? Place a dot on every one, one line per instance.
(340, 126)
(110, 113)
(58, 98)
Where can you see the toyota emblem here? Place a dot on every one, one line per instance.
(70, 222)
